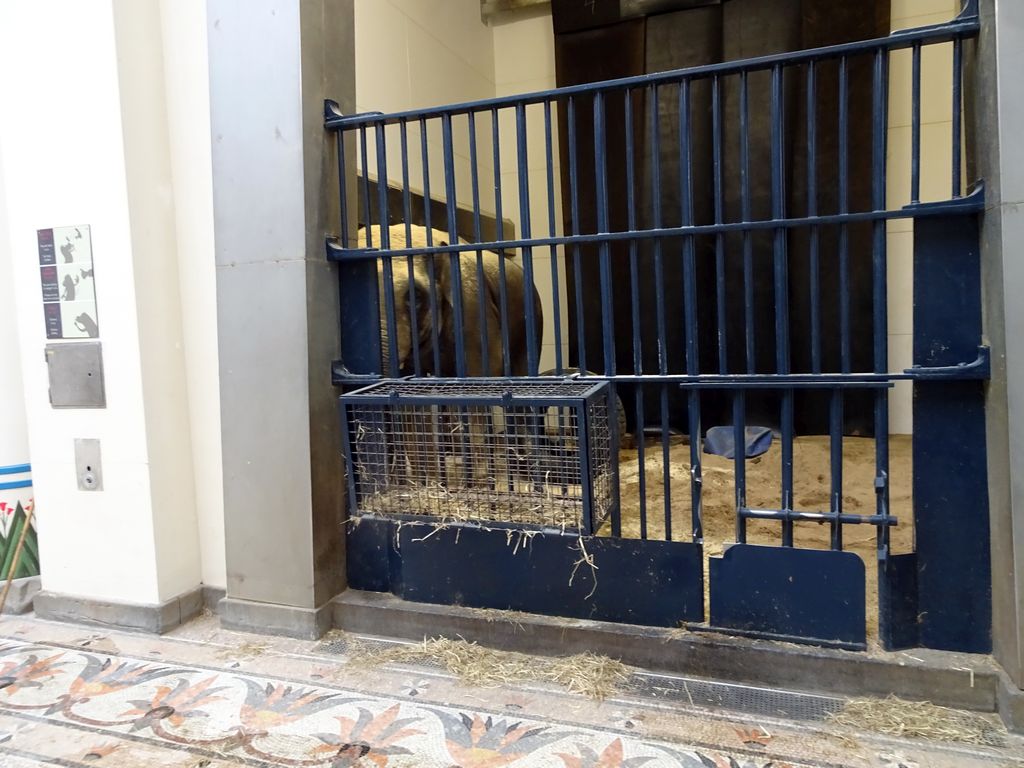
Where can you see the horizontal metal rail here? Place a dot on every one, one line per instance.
(975, 201)
(818, 517)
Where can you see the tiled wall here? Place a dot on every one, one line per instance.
(420, 53)
(438, 51)
(524, 61)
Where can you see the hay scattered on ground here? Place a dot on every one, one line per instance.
(893, 716)
(245, 651)
(586, 674)
(496, 616)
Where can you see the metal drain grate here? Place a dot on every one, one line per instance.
(693, 692)
(749, 699)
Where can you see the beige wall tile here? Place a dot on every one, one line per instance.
(456, 25)
(901, 404)
(904, 9)
(900, 273)
(524, 50)
(382, 72)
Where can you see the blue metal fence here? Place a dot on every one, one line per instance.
(732, 363)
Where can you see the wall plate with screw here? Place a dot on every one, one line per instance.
(88, 469)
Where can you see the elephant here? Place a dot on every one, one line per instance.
(475, 297)
(445, 431)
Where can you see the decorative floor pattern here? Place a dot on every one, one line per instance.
(272, 722)
(69, 697)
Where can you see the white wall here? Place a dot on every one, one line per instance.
(84, 141)
(77, 59)
(13, 428)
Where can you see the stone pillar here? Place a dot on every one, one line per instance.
(272, 64)
(997, 156)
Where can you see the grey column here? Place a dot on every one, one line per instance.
(997, 156)
(272, 64)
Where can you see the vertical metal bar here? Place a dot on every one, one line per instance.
(781, 271)
(586, 481)
(958, 47)
(435, 320)
(812, 210)
(739, 421)
(666, 462)
(343, 189)
(915, 125)
(837, 416)
(410, 264)
(481, 285)
(634, 267)
(455, 277)
(690, 306)
(601, 177)
(556, 308)
(581, 347)
(634, 284)
(659, 269)
(844, 207)
(879, 268)
(659, 295)
(532, 353)
(350, 457)
(835, 433)
(366, 187)
(716, 129)
(506, 355)
(391, 322)
(745, 208)
(607, 309)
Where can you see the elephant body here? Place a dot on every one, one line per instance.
(481, 308)
(432, 440)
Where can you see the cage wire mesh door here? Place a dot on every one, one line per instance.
(471, 491)
(528, 454)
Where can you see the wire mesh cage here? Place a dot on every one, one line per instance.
(524, 453)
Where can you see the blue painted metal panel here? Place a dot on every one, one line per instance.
(369, 554)
(897, 602)
(654, 583)
(951, 519)
(799, 593)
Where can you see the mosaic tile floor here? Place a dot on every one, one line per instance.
(203, 697)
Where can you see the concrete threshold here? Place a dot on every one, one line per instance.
(962, 681)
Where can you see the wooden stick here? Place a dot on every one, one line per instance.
(16, 559)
